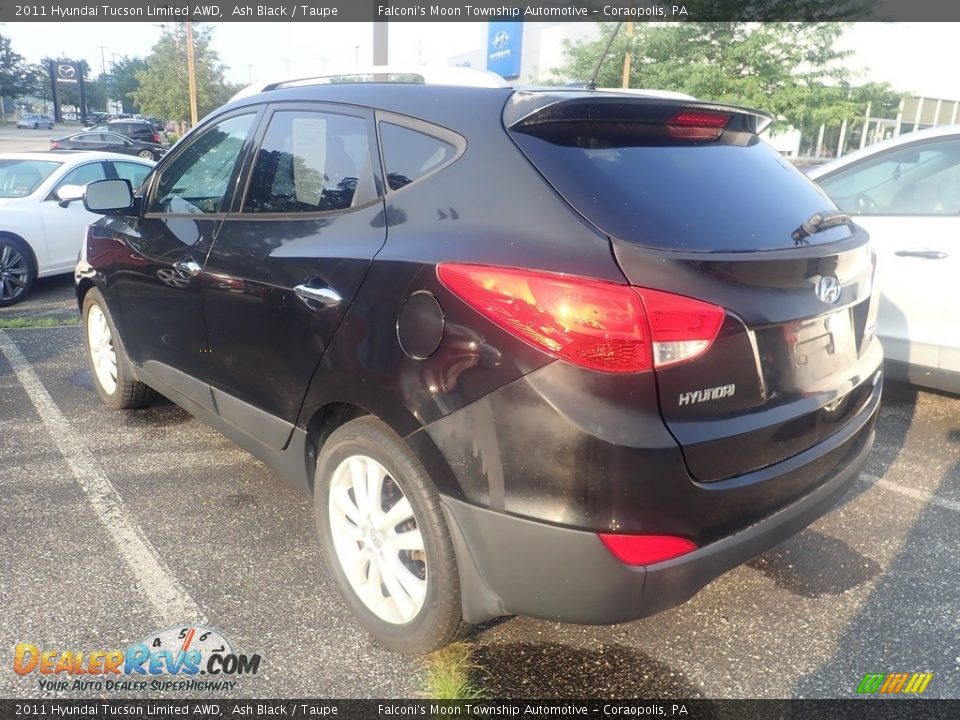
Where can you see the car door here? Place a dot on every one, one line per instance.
(113, 142)
(159, 266)
(64, 228)
(908, 198)
(289, 260)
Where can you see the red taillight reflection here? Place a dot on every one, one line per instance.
(646, 549)
(690, 125)
(591, 323)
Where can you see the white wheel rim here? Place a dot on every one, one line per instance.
(102, 352)
(377, 540)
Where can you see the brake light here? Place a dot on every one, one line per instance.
(697, 125)
(590, 323)
(155, 138)
(682, 328)
(646, 549)
(54, 145)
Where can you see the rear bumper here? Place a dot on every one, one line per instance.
(514, 565)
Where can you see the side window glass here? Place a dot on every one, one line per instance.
(918, 180)
(83, 175)
(197, 180)
(409, 155)
(308, 162)
(134, 172)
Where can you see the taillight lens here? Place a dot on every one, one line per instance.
(591, 323)
(682, 328)
(646, 549)
(156, 138)
(697, 125)
(54, 144)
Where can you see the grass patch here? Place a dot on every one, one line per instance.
(19, 323)
(449, 674)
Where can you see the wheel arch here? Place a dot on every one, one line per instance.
(32, 253)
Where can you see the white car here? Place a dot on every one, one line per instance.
(39, 237)
(906, 193)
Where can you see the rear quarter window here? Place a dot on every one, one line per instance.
(409, 155)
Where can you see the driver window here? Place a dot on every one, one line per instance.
(197, 180)
(918, 180)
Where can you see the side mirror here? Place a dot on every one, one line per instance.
(66, 194)
(109, 197)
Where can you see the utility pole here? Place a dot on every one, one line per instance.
(627, 58)
(103, 60)
(191, 73)
(380, 43)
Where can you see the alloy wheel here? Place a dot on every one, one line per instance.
(14, 273)
(377, 539)
(102, 352)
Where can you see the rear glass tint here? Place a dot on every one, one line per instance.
(709, 197)
(409, 155)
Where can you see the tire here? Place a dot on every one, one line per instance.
(413, 605)
(36, 125)
(17, 270)
(146, 155)
(114, 380)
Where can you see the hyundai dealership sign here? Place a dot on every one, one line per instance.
(504, 42)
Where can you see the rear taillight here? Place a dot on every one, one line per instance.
(590, 323)
(697, 125)
(646, 549)
(155, 138)
(54, 145)
(682, 328)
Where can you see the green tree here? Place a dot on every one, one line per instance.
(121, 82)
(16, 76)
(163, 87)
(790, 69)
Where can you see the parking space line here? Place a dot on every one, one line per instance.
(171, 602)
(910, 492)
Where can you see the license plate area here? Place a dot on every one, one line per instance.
(820, 348)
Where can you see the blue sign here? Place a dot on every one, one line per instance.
(504, 44)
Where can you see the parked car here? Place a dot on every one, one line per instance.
(133, 129)
(37, 236)
(560, 353)
(906, 192)
(34, 121)
(109, 142)
(95, 117)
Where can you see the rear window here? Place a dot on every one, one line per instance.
(726, 196)
(19, 178)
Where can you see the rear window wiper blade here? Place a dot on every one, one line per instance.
(819, 222)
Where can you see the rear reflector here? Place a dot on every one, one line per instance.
(590, 323)
(646, 549)
(697, 125)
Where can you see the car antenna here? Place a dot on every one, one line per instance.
(592, 85)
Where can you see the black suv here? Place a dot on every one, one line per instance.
(561, 353)
(133, 129)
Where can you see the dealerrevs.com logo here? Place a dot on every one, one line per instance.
(184, 653)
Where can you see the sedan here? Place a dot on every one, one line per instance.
(906, 193)
(109, 142)
(35, 121)
(40, 233)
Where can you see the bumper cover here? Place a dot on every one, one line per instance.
(513, 565)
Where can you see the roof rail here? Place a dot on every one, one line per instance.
(416, 74)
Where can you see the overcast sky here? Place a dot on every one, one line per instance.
(913, 57)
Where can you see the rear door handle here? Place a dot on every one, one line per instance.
(926, 254)
(188, 266)
(328, 297)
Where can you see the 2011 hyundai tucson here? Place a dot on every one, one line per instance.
(561, 353)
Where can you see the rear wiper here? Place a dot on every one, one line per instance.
(817, 223)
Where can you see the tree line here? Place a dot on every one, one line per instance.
(155, 85)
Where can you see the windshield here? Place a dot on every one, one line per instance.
(19, 178)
